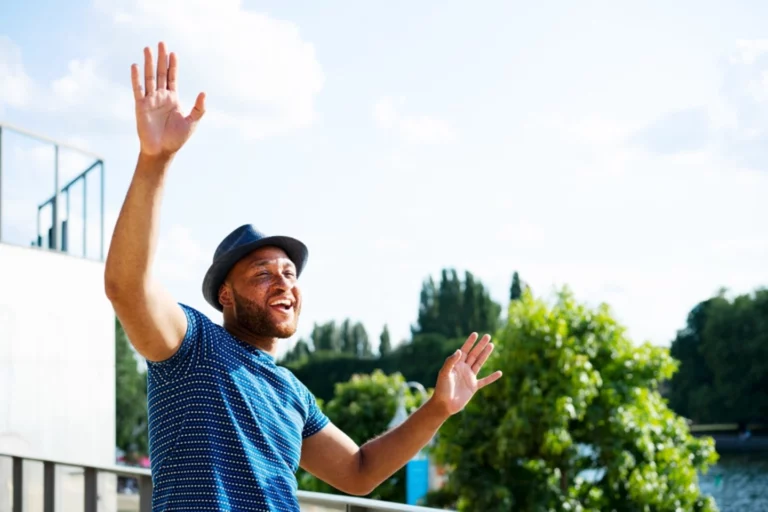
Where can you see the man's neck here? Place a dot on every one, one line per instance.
(268, 345)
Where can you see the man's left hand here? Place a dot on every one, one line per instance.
(457, 381)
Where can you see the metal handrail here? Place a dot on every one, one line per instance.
(49, 140)
(55, 237)
(144, 476)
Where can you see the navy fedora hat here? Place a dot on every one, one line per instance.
(235, 246)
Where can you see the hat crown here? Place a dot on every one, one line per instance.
(245, 234)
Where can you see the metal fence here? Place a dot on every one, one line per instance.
(54, 233)
(142, 501)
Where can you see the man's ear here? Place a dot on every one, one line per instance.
(225, 295)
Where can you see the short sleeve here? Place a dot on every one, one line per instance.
(189, 353)
(316, 418)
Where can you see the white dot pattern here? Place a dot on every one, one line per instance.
(225, 425)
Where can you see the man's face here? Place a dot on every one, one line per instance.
(265, 297)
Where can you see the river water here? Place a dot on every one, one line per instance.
(738, 482)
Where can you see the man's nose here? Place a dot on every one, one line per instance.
(283, 283)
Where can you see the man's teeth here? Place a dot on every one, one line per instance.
(283, 303)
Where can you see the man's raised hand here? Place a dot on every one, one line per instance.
(161, 125)
(457, 382)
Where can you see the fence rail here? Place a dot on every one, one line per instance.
(308, 501)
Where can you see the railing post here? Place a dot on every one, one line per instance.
(49, 486)
(1, 183)
(18, 484)
(56, 215)
(145, 493)
(91, 489)
(101, 214)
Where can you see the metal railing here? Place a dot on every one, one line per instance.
(57, 234)
(308, 501)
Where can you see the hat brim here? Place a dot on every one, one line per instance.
(295, 250)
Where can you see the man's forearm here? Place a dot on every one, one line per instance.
(136, 232)
(383, 456)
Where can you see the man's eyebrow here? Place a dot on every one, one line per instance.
(263, 263)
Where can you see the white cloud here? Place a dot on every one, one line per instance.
(16, 87)
(748, 51)
(416, 129)
(261, 78)
(259, 75)
(86, 90)
(390, 244)
(180, 255)
(521, 233)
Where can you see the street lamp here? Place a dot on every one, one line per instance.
(416, 469)
(401, 413)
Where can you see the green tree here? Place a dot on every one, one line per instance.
(450, 305)
(575, 423)
(346, 338)
(360, 342)
(692, 389)
(299, 352)
(516, 290)
(455, 308)
(385, 344)
(326, 337)
(130, 397)
(428, 308)
(723, 354)
(363, 407)
(735, 347)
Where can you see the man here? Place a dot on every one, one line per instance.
(229, 428)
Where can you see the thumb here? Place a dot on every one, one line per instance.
(451, 361)
(199, 109)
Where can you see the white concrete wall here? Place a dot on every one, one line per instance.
(57, 361)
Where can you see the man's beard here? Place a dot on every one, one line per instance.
(257, 319)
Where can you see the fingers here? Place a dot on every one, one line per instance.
(172, 67)
(482, 358)
(135, 83)
(149, 72)
(488, 380)
(162, 66)
(477, 350)
(199, 109)
(468, 344)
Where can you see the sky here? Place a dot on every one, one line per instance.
(619, 150)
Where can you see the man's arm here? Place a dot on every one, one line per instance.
(333, 457)
(153, 321)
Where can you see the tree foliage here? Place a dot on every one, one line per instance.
(723, 354)
(516, 290)
(363, 408)
(130, 397)
(454, 308)
(448, 313)
(419, 360)
(385, 344)
(576, 422)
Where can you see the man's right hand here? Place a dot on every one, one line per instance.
(161, 125)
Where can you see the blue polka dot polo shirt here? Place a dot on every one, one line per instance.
(225, 425)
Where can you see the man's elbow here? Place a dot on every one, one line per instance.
(121, 289)
(362, 485)
(360, 489)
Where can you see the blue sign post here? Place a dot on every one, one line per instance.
(416, 479)
(417, 469)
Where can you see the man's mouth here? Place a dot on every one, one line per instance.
(283, 305)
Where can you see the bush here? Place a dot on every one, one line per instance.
(576, 422)
(363, 407)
